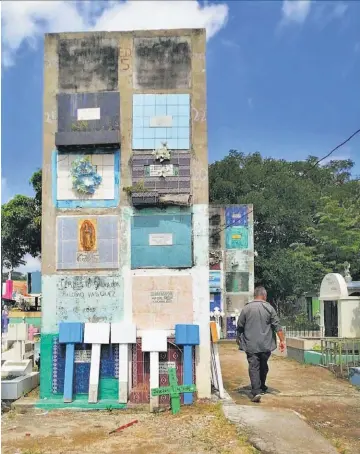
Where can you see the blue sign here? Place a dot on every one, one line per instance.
(215, 281)
(236, 216)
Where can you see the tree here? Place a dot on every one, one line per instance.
(336, 233)
(21, 227)
(15, 276)
(288, 199)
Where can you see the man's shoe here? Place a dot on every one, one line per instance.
(256, 398)
(264, 390)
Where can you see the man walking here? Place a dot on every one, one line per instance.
(256, 328)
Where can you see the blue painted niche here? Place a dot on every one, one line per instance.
(177, 255)
(109, 367)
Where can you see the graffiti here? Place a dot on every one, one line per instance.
(50, 116)
(125, 59)
(125, 53)
(85, 298)
(87, 282)
(198, 115)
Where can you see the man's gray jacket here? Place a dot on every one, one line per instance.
(256, 326)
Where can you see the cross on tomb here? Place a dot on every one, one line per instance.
(174, 390)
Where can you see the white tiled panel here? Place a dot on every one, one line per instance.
(105, 168)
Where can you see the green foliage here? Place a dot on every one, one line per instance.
(306, 218)
(21, 226)
(138, 187)
(15, 276)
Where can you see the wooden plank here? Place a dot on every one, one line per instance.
(218, 371)
(214, 332)
(94, 373)
(69, 373)
(187, 373)
(154, 379)
(123, 373)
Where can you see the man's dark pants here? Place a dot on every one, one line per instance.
(258, 370)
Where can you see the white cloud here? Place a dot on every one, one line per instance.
(327, 12)
(32, 264)
(34, 18)
(295, 10)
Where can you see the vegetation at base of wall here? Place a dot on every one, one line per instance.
(299, 322)
(306, 220)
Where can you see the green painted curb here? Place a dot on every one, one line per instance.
(80, 403)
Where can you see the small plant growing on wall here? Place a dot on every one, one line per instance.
(163, 153)
(85, 178)
(138, 187)
(79, 125)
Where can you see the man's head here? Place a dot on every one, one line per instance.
(260, 293)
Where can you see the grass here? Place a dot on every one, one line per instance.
(222, 429)
(339, 445)
(33, 451)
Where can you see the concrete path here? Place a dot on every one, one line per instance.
(274, 431)
(328, 405)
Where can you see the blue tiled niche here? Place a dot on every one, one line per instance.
(147, 106)
(176, 255)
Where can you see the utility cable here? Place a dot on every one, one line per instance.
(303, 175)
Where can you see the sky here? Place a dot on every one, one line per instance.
(283, 77)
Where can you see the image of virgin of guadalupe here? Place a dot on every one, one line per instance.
(87, 236)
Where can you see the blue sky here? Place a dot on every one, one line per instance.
(283, 77)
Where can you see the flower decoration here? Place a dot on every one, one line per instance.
(162, 154)
(85, 179)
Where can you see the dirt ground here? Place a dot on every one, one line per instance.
(197, 429)
(330, 405)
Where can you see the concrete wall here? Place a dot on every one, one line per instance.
(129, 63)
(349, 317)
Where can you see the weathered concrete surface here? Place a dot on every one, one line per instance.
(330, 406)
(274, 431)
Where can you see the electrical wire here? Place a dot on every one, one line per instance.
(303, 175)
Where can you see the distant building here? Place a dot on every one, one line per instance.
(231, 258)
